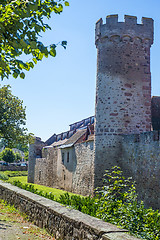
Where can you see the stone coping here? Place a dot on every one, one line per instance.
(62, 222)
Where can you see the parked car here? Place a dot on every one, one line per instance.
(4, 163)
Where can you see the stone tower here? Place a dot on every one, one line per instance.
(34, 152)
(123, 88)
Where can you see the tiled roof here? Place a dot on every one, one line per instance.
(59, 143)
(90, 138)
(72, 140)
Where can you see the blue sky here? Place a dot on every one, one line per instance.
(61, 90)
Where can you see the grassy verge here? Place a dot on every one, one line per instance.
(14, 225)
(54, 191)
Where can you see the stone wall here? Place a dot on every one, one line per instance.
(35, 151)
(46, 168)
(141, 160)
(123, 86)
(61, 222)
(13, 168)
(69, 168)
(83, 174)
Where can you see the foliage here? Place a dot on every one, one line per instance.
(116, 202)
(7, 155)
(18, 157)
(15, 173)
(3, 176)
(26, 155)
(12, 119)
(21, 23)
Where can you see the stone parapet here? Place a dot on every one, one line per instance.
(63, 223)
(128, 30)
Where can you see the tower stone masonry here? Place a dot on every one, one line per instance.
(123, 87)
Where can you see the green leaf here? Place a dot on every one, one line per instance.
(66, 3)
(34, 60)
(31, 64)
(15, 74)
(22, 75)
(52, 52)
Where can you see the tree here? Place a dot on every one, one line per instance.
(26, 155)
(18, 157)
(12, 119)
(8, 155)
(21, 22)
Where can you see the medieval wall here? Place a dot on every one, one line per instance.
(83, 174)
(141, 160)
(70, 168)
(35, 151)
(66, 165)
(123, 88)
(46, 168)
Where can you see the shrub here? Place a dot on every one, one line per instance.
(3, 176)
(8, 155)
(16, 173)
(18, 157)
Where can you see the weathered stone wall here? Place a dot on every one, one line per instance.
(141, 160)
(46, 168)
(70, 168)
(123, 88)
(83, 174)
(66, 165)
(35, 151)
(61, 222)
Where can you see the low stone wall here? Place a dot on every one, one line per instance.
(13, 168)
(62, 222)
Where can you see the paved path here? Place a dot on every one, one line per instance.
(23, 231)
(14, 226)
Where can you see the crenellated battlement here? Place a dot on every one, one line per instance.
(113, 29)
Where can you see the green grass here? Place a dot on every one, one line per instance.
(55, 192)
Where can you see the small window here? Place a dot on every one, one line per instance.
(67, 156)
(40, 175)
(63, 158)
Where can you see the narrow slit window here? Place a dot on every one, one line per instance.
(63, 158)
(67, 156)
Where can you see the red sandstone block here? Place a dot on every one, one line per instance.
(146, 87)
(113, 114)
(147, 95)
(128, 94)
(148, 120)
(147, 104)
(146, 80)
(128, 85)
